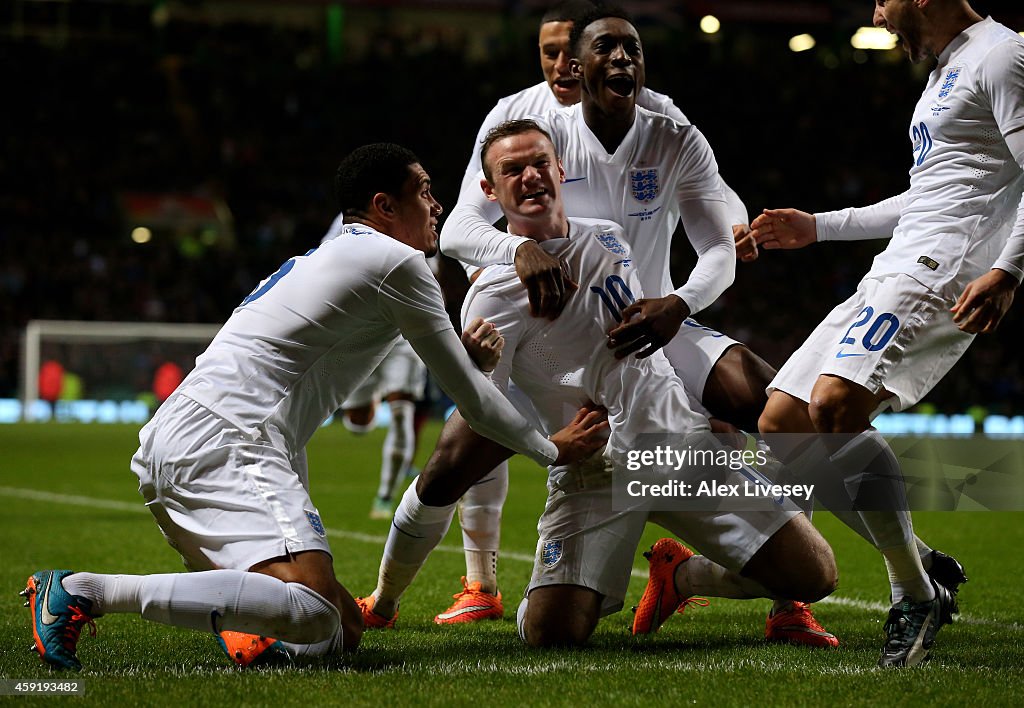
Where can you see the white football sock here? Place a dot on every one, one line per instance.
(215, 600)
(907, 576)
(316, 649)
(521, 618)
(396, 455)
(480, 517)
(925, 551)
(415, 531)
(873, 477)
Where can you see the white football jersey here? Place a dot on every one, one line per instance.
(297, 346)
(539, 99)
(965, 185)
(560, 364)
(660, 171)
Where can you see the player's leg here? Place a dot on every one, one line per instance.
(544, 622)
(403, 377)
(211, 601)
(480, 518)
(460, 458)
(397, 452)
(584, 557)
(202, 482)
(764, 551)
(725, 375)
(735, 387)
(886, 346)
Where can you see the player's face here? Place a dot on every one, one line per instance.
(611, 64)
(416, 211)
(903, 19)
(526, 176)
(554, 62)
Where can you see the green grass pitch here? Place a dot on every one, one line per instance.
(70, 501)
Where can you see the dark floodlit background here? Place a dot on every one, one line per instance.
(236, 113)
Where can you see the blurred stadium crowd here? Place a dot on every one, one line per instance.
(254, 117)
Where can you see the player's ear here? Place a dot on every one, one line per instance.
(383, 204)
(575, 68)
(488, 190)
(561, 172)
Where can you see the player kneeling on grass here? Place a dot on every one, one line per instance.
(222, 464)
(587, 539)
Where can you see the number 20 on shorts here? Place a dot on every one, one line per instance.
(879, 332)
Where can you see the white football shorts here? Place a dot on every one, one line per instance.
(222, 499)
(584, 541)
(893, 334)
(694, 351)
(401, 371)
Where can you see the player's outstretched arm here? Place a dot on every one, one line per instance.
(984, 302)
(784, 228)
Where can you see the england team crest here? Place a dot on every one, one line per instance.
(643, 184)
(551, 553)
(316, 523)
(611, 243)
(952, 74)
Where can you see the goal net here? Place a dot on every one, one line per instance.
(104, 371)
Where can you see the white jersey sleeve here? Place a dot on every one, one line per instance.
(1011, 259)
(469, 235)
(411, 298)
(1002, 76)
(858, 223)
(488, 412)
(705, 217)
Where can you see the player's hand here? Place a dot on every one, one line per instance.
(746, 245)
(784, 228)
(984, 301)
(648, 325)
(581, 438)
(547, 284)
(483, 343)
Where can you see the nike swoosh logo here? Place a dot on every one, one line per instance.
(574, 179)
(464, 610)
(214, 616)
(842, 355)
(47, 617)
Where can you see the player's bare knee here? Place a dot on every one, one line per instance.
(795, 563)
(557, 631)
(837, 406)
(561, 616)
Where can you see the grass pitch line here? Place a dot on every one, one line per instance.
(113, 505)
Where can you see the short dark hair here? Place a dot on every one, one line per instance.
(599, 12)
(506, 130)
(367, 170)
(567, 11)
